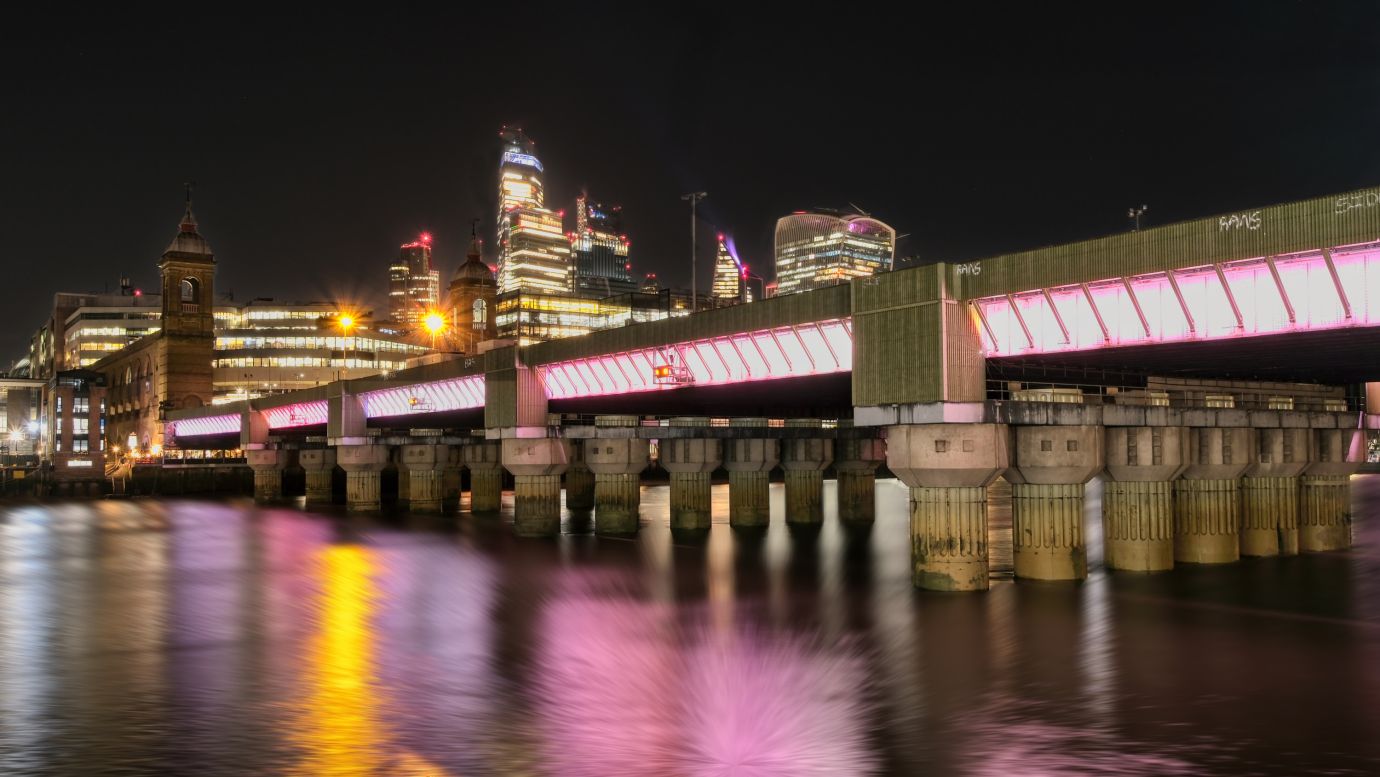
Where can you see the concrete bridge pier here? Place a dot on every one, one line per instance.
(1325, 490)
(363, 463)
(690, 462)
(1207, 500)
(856, 461)
(1052, 465)
(1138, 496)
(268, 465)
(319, 464)
(948, 468)
(452, 480)
(804, 461)
(1270, 492)
(537, 465)
(425, 464)
(617, 457)
(749, 462)
(484, 459)
(579, 479)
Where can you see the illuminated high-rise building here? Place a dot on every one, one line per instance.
(825, 248)
(533, 249)
(730, 274)
(414, 285)
(600, 250)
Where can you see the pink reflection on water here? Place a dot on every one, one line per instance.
(627, 687)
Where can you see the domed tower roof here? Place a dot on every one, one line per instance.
(188, 239)
(473, 270)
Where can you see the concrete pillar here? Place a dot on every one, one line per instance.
(1051, 466)
(617, 458)
(690, 462)
(1138, 496)
(537, 465)
(362, 464)
(1207, 500)
(425, 464)
(1325, 490)
(749, 461)
(452, 480)
(579, 479)
(1270, 492)
(319, 464)
(485, 462)
(804, 461)
(268, 465)
(948, 468)
(856, 461)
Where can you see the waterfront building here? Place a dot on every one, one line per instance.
(73, 427)
(825, 248)
(414, 284)
(85, 327)
(473, 299)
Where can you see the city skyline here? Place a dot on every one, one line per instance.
(306, 181)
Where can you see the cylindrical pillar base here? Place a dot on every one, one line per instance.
(1138, 525)
(1207, 519)
(1269, 516)
(617, 497)
(857, 492)
(537, 505)
(362, 491)
(424, 491)
(486, 490)
(690, 500)
(1325, 513)
(268, 485)
(1047, 531)
(804, 496)
(319, 489)
(579, 488)
(948, 530)
(749, 501)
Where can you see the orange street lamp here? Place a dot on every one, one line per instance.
(434, 323)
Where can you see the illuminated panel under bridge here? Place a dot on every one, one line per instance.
(819, 348)
(1310, 291)
(298, 414)
(195, 427)
(434, 397)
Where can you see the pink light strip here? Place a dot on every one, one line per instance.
(195, 427)
(299, 414)
(434, 397)
(1302, 292)
(784, 352)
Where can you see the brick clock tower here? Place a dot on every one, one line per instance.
(186, 343)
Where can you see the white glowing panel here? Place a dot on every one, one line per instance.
(434, 397)
(196, 427)
(784, 352)
(299, 414)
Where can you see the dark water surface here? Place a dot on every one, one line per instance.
(184, 637)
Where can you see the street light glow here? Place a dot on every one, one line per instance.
(346, 321)
(434, 322)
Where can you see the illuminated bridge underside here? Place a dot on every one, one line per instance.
(802, 350)
(1313, 292)
(435, 397)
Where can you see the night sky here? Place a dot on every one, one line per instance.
(319, 143)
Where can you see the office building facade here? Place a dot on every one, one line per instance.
(824, 248)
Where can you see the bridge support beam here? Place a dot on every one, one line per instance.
(425, 465)
(537, 465)
(690, 462)
(948, 468)
(749, 462)
(268, 465)
(1052, 465)
(1270, 492)
(579, 479)
(1207, 501)
(319, 464)
(856, 461)
(1325, 490)
(1138, 496)
(484, 459)
(617, 458)
(363, 464)
(804, 461)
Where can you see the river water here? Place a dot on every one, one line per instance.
(192, 637)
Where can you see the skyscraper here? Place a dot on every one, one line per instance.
(824, 248)
(533, 250)
(600, 250)
(730, 274)
(414, 286)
